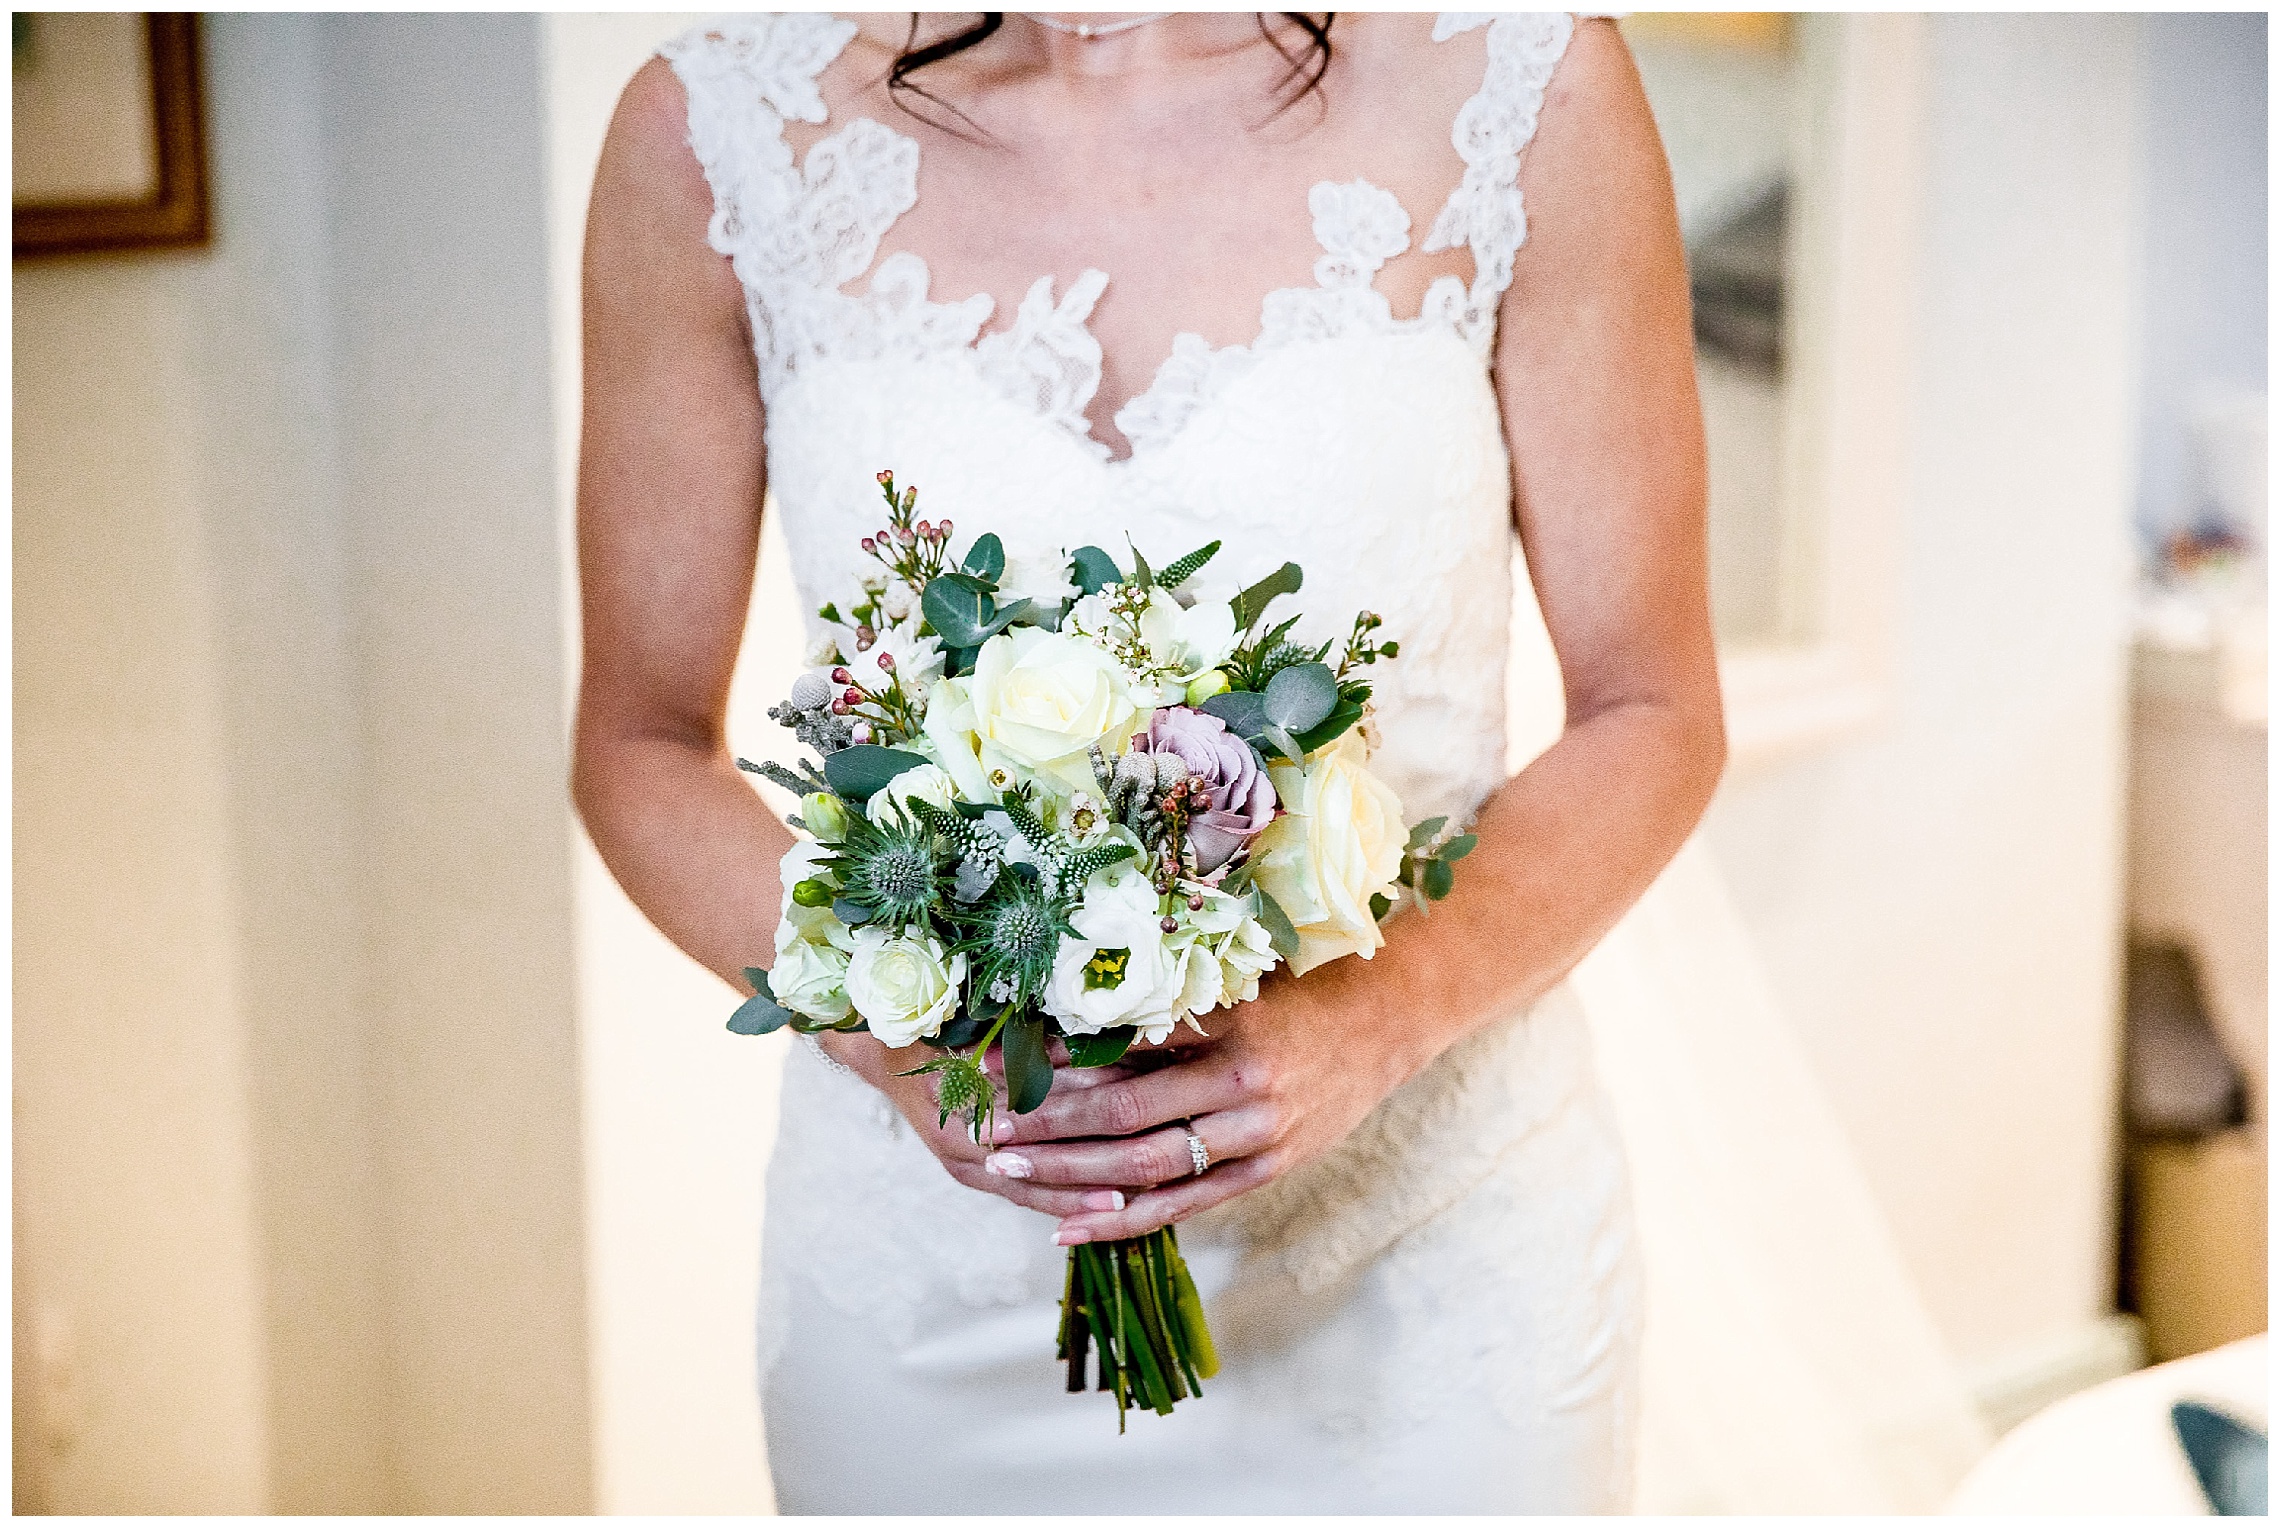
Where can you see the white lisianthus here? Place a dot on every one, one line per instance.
(903, 984)
(1119, 969)
(1028, 576)
(1187, 643)
(1338, 843)
(811, 978)
(930, 783)
(1224, 948)
(1034, 704)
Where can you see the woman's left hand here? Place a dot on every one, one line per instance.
(1263, 1093)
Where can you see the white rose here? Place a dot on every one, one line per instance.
(811, 980)
(1034, 704)
(903, 984)
(1044, 579)
(1244, 956)
(1338, 843)
(1119, 969)
(930, 783)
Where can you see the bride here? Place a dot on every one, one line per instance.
(1374, 295)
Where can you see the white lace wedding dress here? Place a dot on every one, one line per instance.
(1442, 1315)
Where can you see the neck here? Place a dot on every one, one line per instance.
(1176, 41)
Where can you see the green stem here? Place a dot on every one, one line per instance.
(1190, 1305)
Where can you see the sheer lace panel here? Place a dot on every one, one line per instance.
(800, 229)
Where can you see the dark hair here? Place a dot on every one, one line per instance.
(913, 58)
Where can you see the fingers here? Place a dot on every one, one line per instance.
(1161, 1207)
(1031, 1196)
(1158, 1156)
(1132, 1103)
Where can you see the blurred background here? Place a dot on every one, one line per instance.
(370, 1151)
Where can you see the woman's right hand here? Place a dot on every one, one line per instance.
(952, 1145)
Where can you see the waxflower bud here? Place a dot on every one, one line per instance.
(1170, 925)
(1195, 901)
(862, 732)
(885, 478)
(825, 816)
(886, 663)
(853, 697)
(942, 531)
(842, 676)
(906, 535)
(869, 545)
(925, 530)
(864, 637)
(839, 706)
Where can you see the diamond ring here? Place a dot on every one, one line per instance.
(1198, 1153)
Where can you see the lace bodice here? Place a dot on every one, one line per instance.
(1367, 446)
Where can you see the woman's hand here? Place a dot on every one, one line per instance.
(953, 1147)
(1268, 1091)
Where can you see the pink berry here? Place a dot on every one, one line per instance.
(842, 676)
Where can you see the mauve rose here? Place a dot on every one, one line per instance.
(1242, 798)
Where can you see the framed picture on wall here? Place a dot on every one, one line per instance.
(109, 144)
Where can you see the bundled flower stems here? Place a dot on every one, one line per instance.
(1058, 796)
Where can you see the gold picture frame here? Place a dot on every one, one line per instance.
(172, 209)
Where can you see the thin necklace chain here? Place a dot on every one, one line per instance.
(1086, 32)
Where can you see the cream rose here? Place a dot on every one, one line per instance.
(1338, 843)
(1034, 704)
(903, 984)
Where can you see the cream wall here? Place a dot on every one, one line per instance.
(1938, 903)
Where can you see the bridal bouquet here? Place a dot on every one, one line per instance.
(1060, 796)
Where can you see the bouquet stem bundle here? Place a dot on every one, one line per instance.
(1133, 1305)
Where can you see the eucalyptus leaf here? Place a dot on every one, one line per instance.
(1438, 878)
(959, 608)
(1008, 614)
(1380, 904)
(1142, 574)
(957, 661)
(1244, 712)
(758, 978)
(1332, 727)
(856, 772)
(1422, 834)
(1095, 569)
(986, 557)
(850, 913)
(760, 1013)
(1028, 1071)
(1283, 743)
(1252, 602)
(1103, 1049)
(1277, 923)
(1301, 696)
(1457, 848)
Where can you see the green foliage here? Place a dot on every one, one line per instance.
(855, 774)
(1280, 932)
(1104, 1049)
(1252, 602)
(1300, 697)
(1179, 572)
(986, 557)
(1028, 1073)
(1094, 569)
(1429, 868)
(760, 1013)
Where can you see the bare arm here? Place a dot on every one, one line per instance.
(669, 487)
(670, 474)
(1595, 374)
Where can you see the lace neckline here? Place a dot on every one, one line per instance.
(798, 232)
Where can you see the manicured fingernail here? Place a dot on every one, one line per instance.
(1106, 1199)
(1006, 1165)
(1071, 1236)
(1002, 1130)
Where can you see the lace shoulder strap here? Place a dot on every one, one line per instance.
(1492, 129)
(795, 232)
